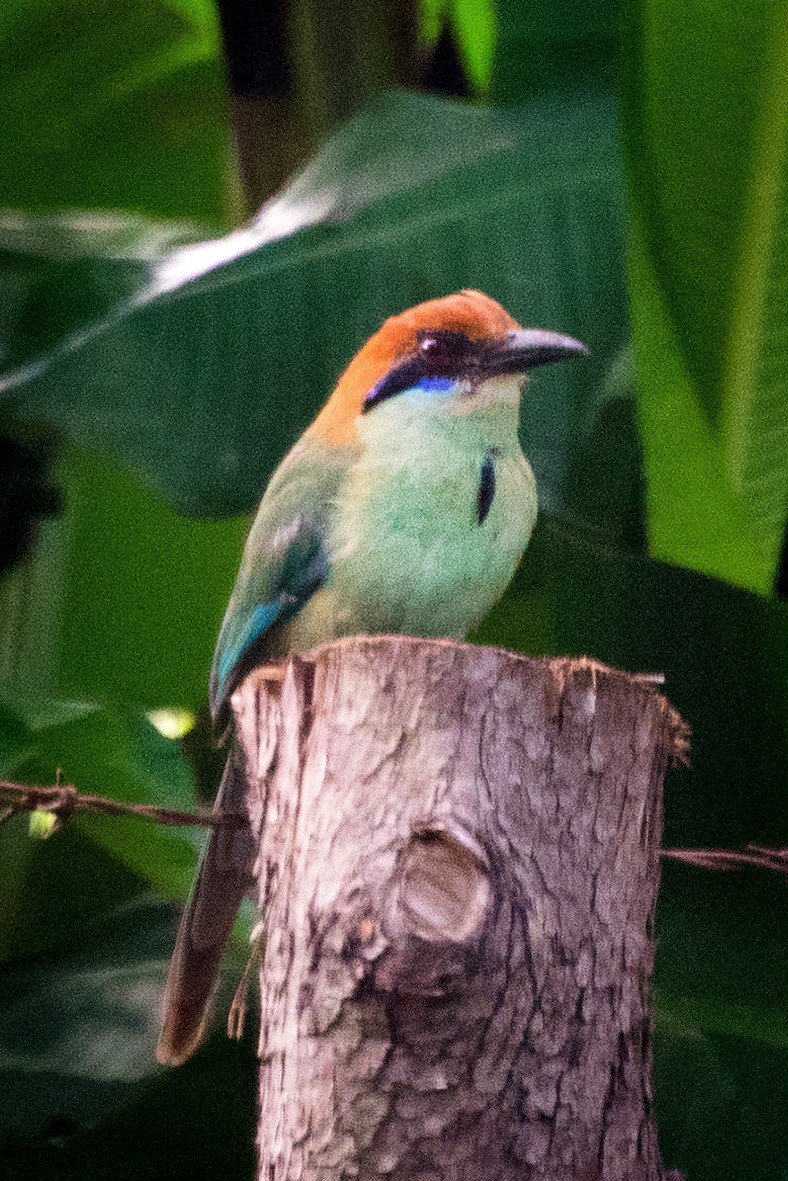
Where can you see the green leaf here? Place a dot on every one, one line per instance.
(144, 591)
(79, 1028)
(547, 48)
(720, 1104)
(706, 134)
(196, 1121)
(52, 889)
(721, 1051)
(119, 753)
(124, 598)
(696, 518)
(15, 739)
(755, 377)
(115, 107)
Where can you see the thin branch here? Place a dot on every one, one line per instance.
(62, 800)
(757, 855)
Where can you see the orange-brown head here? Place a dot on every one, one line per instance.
(466, 334)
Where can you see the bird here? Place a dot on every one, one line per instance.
(404, 508)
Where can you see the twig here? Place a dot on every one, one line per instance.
(62, 799)
(757, 855)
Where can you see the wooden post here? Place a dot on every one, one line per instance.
(458, 868)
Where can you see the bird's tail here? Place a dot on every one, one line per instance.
(224, 876)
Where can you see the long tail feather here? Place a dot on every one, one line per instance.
(224, 876)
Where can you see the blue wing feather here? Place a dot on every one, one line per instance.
(261, 618)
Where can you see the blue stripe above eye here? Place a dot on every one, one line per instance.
(435, 385)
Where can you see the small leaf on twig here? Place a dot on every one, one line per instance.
(42, 824)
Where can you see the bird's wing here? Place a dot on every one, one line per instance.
(284, 563)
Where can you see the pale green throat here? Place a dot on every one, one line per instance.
(431, 519)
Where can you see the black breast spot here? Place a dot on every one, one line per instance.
(486, 493)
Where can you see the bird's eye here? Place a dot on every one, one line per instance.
(432, 347)
(442, 350)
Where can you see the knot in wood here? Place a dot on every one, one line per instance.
(441, 888)
(435, 913)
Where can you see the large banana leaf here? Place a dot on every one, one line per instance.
(198, 368)
(542, 48)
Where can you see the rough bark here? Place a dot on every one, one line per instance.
(458, 867)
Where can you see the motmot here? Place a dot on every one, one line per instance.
(404, 508)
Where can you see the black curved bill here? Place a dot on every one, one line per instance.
(525, 348)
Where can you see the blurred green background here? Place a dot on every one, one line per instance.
(620, 174)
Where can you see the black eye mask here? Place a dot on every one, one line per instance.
(441, 354)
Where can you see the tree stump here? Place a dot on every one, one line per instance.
(458, 868)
